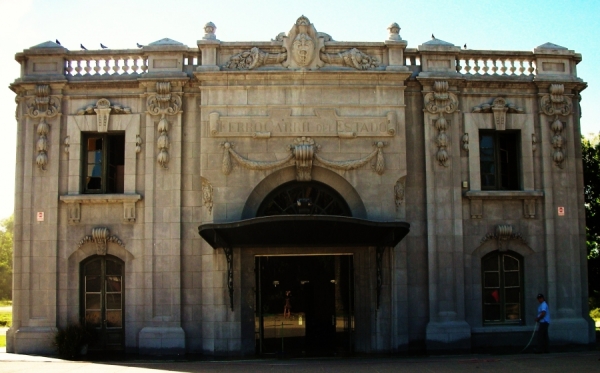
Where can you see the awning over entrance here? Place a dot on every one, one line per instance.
(304, 230)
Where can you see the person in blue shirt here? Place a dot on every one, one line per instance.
(543, 318)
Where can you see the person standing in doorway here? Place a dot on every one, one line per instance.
(543, 318)
(287, 307)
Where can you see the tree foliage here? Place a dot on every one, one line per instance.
(6, 257)
(590, 148)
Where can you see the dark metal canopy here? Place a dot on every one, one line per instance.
(304, 230)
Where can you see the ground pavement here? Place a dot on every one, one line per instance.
(587, 361)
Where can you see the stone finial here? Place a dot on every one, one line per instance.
(209, 31)
(394, 30)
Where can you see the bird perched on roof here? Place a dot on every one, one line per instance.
(432, 36)
(103, 46)
(58, 42)
(139, 45)
(82, 47)
(465, 46)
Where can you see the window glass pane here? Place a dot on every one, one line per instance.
(92, 301)
(92, 284)
(511, 279)
(491, 296)
(113, 284)
(513, 295)
(491, 312)
(491, 279)
(113, 301)
(114, 319)
(93, 318)
(113, 268)
(513, 311)
(93, 268)
(510, 263)
(490, 263)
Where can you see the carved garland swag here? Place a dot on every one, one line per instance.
(304, 152)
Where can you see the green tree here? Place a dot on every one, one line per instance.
(6, 256)
(590, 147)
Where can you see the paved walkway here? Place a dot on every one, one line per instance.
(588, 361)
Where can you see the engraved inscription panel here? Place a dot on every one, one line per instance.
(280, 123)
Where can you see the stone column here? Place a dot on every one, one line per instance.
(162, 258)
(447, 328)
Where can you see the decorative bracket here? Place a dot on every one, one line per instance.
(101, 237)
(207, 195)
(399, 190)
(43, 106)
(503, 234)
(103, 109)
(228, 251)
(379, 251)
(163, 103)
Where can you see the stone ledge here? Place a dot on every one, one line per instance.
(74, 202)
(528, 197)
(503, 194)
(501, 328)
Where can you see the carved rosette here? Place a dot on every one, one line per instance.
(465, 142)
(207, 195)
(163, 103)
(101, 237)
(304, 152)
(43, 106)
(504, 233)
(441, 102)
(556, 104)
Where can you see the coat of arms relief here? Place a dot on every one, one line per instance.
(303, 48)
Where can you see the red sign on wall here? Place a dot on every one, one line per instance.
(561, 211)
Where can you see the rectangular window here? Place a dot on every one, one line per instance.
(103, 162)
(499, 160)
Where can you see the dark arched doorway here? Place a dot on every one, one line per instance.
(102, 300)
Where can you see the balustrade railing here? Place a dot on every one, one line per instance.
(135, 62)
(122, 62)
(495, 63)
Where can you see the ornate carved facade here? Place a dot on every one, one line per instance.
(389, 180)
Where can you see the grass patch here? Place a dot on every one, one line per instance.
(5, 319)
(2, 341)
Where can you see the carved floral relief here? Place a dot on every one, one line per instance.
(441, 102)
(163, 103)
(101, 237)
(43, 106)
(556, 104)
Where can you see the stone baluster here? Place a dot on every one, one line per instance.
(530, 69)
(69, 68)
(503, 68)
(116, 66)
(77, 67)
(87, 68)
(97, 67)
(144, 65)
(467, 66)
(486, 68)
(494, 66)
(476, 68)
(521, 64)
(106, 66)
(512, 67)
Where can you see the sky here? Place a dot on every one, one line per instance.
(481, 24)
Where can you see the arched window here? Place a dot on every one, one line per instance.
(502, 285)
(102, 300)
(312, 198)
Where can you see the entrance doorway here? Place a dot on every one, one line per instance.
(304, 304)
(102, 301)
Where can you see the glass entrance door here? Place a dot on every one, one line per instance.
(304, 304)
(102, 301)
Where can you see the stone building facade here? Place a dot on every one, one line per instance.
(301, 194)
